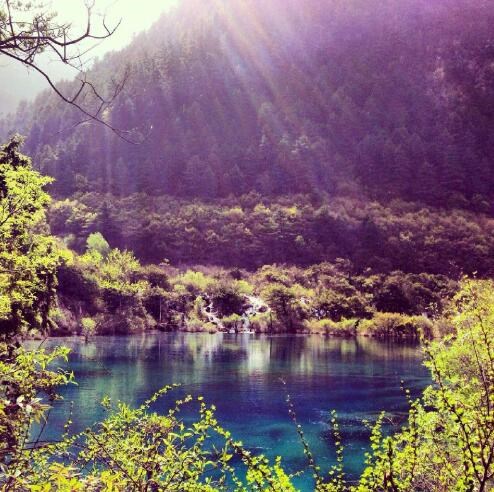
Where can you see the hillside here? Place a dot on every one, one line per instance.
(252, 231)
(388, 99)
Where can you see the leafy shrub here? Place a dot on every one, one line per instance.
(88, 326)
(96, 242)
(195, 283)
(232, 322)
(196, 325)
(262, 323)
(227, 299)
(448, 441)
(342, 328)
(395, 325)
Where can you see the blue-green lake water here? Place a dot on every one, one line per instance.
(242, 375)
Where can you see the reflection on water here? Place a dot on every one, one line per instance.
(242, 375)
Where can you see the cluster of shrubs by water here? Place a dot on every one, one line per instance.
(109, 291)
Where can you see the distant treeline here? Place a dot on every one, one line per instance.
(391, 99)
(251, 231)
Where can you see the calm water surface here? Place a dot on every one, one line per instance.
(242, 375)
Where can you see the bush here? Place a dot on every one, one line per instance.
(343, 328)
(155, 276)
(262, 323)
(88, 326)
(127, 320)
(196, 325)
(448, 442)
(395, 325)
(96, 242)
(232, 322)
(227, 299)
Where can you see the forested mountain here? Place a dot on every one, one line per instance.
(385, 99)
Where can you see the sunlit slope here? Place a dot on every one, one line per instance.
(388, 99)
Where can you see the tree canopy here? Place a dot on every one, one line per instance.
(381, 99)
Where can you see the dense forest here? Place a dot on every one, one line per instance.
(251, 231)
(388, 100)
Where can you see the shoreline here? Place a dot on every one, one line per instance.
(298, 334)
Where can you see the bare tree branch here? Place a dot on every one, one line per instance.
(27, 32)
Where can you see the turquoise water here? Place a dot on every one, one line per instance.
(242, 375)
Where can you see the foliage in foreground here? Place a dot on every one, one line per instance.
(28, 255)
(446, 445)
(135, 449)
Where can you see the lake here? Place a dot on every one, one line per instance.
(242, 375)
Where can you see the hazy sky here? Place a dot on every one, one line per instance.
(17, 83)
(136, 16)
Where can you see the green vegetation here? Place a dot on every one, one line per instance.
(29, 256)
(285, 182)
(96, 242)
(447, 443)
(250, 231)
(120, 295)
(88, 327)
(378, 270)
